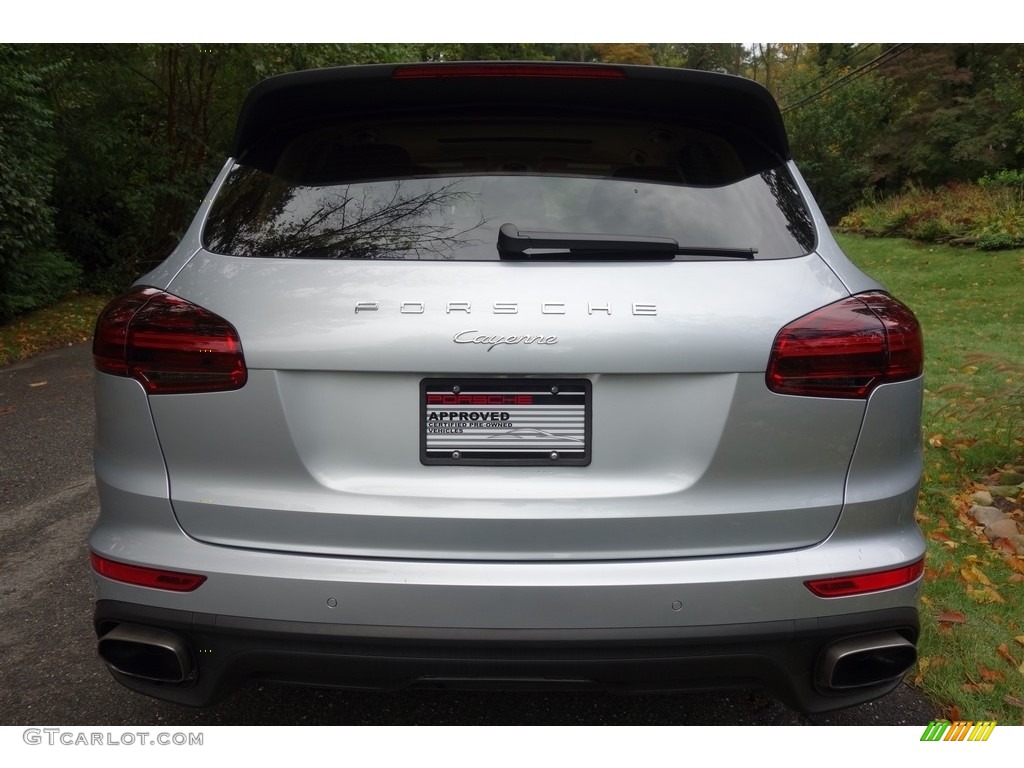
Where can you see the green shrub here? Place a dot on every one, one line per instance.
(988, 215)
(998, 242)
(1013, 179)
(28, 284)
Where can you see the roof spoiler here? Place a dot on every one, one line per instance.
(280, 107)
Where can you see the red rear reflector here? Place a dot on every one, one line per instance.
(168, 344)
(145, 577)
(847, 349)
(844, 586)
(508, 70)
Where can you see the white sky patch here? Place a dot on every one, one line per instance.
(520, 21)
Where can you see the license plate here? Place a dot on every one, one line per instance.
(517, 422)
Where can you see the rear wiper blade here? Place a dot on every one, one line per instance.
(517, 245)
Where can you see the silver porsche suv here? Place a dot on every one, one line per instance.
(508, 375)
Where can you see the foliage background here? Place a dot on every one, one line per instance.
(106, 150)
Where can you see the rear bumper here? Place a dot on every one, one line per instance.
(784, 657)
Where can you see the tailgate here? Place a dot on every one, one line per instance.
(688, 453)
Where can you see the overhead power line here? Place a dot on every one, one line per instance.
(883, 58)
(851, 54)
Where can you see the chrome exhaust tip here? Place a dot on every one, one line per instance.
(147, 653)
(867, 660)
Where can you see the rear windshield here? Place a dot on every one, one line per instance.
(442, 189)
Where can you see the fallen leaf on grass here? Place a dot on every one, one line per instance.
(952, 617)
(993, 596)
(926, 663)
(1019, 639)
(935, 441)
(990, 675)
(978, 687)
(975, 574)
(984, 595)
(1013, 701)
(942, 538)
(1005, 545)
(1004, 651)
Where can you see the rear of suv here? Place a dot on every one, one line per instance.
(508, 374)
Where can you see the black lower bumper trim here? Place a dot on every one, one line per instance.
(779, 656)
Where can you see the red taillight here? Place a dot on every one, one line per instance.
(508, 70)
(844, 586)
(140, 576)
(168, 344)
(847, 349)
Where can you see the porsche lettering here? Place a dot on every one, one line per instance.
(440, 398)
(606, 309)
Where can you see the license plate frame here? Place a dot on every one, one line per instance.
(519, 422)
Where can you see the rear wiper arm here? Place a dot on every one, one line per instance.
(516, 245)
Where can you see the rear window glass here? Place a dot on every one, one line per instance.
(442, 190)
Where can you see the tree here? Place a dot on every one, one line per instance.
(834, 118)
(624, 53)
(138, 158)
(711, 57)
(32, 269)
(959, 114)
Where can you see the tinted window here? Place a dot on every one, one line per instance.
(419, 190)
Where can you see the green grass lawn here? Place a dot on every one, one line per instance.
(968, 302)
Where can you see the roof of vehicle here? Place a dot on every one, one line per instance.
(280, 107)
